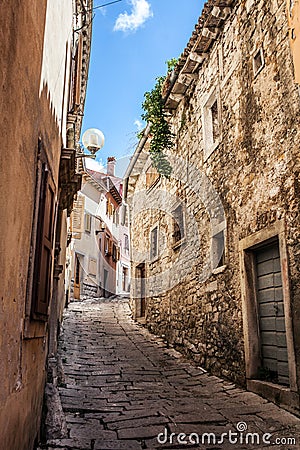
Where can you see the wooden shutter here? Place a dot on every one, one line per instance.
(42, 279)
(77, 220)
(78, 70)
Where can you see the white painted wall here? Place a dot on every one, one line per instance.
(56, 57)
(88, 245)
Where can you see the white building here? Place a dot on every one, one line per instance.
(99, 252)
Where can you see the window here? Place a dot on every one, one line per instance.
(211, 121)
(107, 246)
(106, 240)
(114, 252)
(258, 61)
(178, 224)
(116, 216)
(124, 215)
(87, 222)
(126, 243)
(217, 250)
(154, 243)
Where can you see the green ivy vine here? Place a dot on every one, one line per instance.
(162, 138)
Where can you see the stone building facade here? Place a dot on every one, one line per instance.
(45, 49)
(215, 249)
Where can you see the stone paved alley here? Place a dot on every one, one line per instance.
(120, 387)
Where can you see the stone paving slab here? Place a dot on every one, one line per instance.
(121, 388)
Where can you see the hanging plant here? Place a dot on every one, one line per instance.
(162, 138)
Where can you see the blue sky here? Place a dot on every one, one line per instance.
(131, 41)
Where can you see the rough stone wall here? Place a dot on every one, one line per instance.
(90, 290)
(253, 171)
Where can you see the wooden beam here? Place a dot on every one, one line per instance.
(193, 56)
(220, 12)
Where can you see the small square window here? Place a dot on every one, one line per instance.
(258, 61)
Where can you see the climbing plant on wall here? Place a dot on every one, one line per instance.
(162, 138)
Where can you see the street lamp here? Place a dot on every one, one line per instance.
(93, 140)
(102, 227)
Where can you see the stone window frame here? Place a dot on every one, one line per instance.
(210, 142)
(281, 394)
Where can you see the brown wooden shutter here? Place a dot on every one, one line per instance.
(72, 84)
(78, 70)
(42, 279)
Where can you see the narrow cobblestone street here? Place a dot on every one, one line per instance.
(120, 387)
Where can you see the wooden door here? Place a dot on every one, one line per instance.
(105, 278)
(142, 289)
(274, 355)
(77, 278)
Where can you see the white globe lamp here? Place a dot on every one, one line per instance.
(93, 140)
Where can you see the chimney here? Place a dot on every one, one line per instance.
(111, 163)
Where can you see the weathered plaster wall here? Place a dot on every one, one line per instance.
(26, 115)
(254, 170)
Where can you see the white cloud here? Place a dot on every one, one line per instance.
(138, 124)
(141, 11)
(92, 164)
